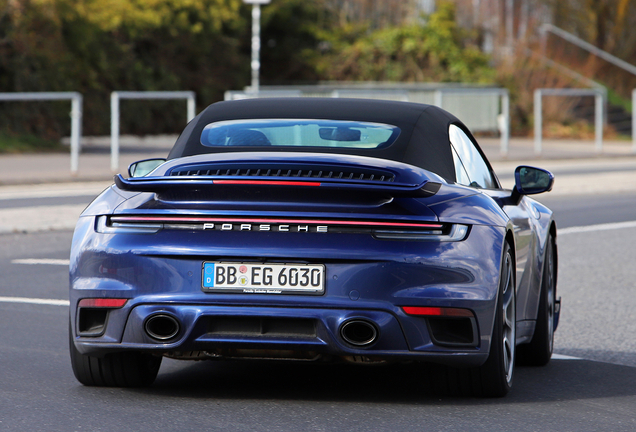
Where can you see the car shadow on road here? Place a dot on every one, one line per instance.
(561, 380)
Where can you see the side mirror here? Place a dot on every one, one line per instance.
(143, 167)
(529, 181)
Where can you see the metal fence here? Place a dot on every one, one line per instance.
(493, 113)
(599, 96)
(76, 115)
(116, 96)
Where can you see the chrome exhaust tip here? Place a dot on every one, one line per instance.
(162, 327)
(358, 332)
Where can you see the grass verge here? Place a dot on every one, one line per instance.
(10, 143)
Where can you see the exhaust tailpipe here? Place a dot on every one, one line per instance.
(162, 327)
(358, 332)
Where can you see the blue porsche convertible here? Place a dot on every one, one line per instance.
(319, 230)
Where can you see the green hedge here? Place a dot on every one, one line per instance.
(97, 46)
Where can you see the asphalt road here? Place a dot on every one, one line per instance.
(594, 391)
(582, 210)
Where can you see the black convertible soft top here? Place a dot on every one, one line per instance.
(423, 140)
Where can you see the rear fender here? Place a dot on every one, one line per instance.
(463, 208)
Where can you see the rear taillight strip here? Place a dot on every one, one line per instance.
(189, 219)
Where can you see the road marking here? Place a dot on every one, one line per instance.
(40, 218)
(51, 302)
(564, 357)
(48, 261)
(599, 227)
(53, 190)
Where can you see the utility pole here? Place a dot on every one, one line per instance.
(510, 7)
(256, 41)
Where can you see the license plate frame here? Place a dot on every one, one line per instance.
(262, 278)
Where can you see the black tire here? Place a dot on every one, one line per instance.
(494, 378)
(539, 351)
(127, 369)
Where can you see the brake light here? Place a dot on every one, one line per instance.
(102, 302)
(437, 311)
(266, 182)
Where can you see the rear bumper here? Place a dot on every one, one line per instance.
(306, 332)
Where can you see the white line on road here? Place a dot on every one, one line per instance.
(41, 218)
(48, 261)
(599, 227)
(51, 302)
(564, 357)
(53, 190)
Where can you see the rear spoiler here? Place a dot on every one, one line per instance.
(167, 184)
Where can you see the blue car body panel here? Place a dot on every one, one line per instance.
(363, 279)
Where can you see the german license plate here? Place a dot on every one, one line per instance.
(267, 278)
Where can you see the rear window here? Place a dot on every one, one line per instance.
(299, 133)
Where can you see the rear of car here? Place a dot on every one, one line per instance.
(329, 275)
(302, 247)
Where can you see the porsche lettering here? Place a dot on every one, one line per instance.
(265, 227)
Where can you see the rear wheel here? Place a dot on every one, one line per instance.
(495, 376)
(539, 351)
(127, 369)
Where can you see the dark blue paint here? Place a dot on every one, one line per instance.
(366, 278)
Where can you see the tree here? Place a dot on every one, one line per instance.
(437, 51)
(607, 24)
(98, 46)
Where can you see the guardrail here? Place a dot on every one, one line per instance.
(599, 96)
(76, 115)
(116, 96)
